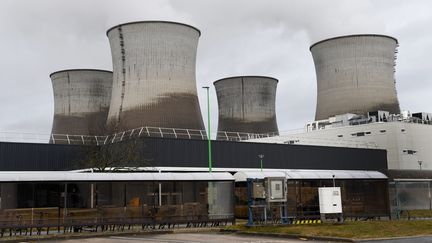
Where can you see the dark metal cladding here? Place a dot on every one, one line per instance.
(154, 76)
(81, 101)
(193, 153)
(247, 104)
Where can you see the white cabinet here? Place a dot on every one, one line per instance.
(330, 200)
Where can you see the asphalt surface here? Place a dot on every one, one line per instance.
(405, 240)
(186, 237)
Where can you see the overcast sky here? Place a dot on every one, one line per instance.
(241, 37)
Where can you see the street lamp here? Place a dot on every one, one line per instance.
(208, 133)
(420, 163)
(261, 156)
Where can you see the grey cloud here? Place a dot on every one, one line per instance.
(238, 38)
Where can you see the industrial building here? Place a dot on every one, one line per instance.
(246, 105)
(81, 101)
(100, 200)
(358, 141)
(406, 139)
(355, 74)
(357, 105)
(362, 191)
(154, 76)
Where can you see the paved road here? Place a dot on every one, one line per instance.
(407, 240)
(186, 237)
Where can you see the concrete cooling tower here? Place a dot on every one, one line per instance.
(247, 104)
(355, 74)
(81, 101)
(154, 76)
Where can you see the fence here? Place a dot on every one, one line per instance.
(286, 137)
(29, 220)
(146, 131)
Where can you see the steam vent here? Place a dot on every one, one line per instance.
(355, 74)
(247, 104)
(81, 101)
(154, 76)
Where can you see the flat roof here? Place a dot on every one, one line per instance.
(410, 175)
(310, 174)
(288, 173)
(44, 176)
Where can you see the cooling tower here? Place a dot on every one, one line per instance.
(355, 74)
(81, 101)
(247, 104)
(154, 76)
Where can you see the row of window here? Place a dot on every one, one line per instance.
(361, 134)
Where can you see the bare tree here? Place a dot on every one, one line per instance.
(131, 153)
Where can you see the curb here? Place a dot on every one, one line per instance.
(54, 237)
(290, 236)
(392, 238)
(89, 235)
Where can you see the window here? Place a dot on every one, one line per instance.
(409, 151)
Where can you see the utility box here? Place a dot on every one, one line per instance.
(258, 190)
(330, 200)
(276, 189)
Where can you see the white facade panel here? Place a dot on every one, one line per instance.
(406, 143)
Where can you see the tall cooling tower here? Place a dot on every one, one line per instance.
(247, 104)
(154, 76)
(355, 74)
(81, 101)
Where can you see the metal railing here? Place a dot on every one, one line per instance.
(161, 132)
(286, 137)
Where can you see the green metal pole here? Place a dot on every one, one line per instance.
(261, 157)
(209, 131)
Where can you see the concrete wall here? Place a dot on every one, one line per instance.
(81, 101)
(355, 74)
(247, 104)
(154, 76)
(395, 137)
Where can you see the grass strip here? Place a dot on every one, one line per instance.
(351, 230)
